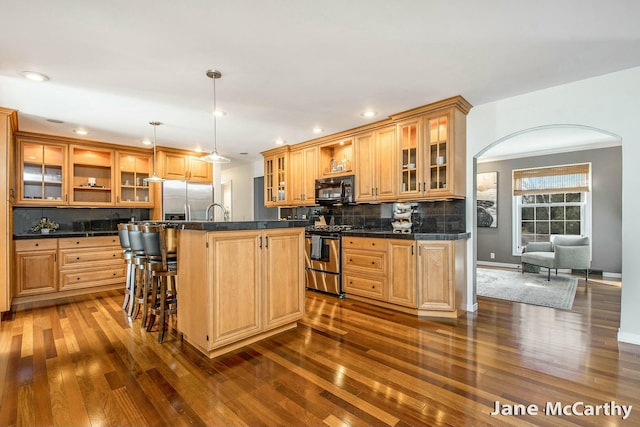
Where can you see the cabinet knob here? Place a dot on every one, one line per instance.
(373, 263)
(77, 278)
(78, 258)
(373, 286)
(37, 244)
(373, 244)
(350, 260)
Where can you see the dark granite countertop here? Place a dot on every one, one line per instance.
(407, 236)
(61, 234)
(234, 225)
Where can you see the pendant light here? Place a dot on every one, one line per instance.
(214, 157)
(155, 177)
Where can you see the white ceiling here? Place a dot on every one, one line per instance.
(289, 65)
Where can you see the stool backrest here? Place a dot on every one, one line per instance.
(123, 234)
(159, 242)
(135, 237)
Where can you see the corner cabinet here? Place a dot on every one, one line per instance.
(132, 190)
(276, 175)
(250, 285)
(42, 172)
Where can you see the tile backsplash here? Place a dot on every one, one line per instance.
(428, 217)
(76, 219)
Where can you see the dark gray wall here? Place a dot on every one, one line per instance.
(606, 170)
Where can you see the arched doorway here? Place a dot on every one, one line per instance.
(548, 145)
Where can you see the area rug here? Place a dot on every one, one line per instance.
(529, 288)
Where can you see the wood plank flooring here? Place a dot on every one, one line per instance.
(81, 362)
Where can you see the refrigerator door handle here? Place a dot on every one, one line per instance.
(187, 211)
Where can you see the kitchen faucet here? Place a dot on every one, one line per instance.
(209, 212)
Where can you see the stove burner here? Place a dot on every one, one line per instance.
(328, 228)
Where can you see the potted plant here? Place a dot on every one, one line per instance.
(45, 226)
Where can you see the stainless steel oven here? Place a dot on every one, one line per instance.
(323, 259)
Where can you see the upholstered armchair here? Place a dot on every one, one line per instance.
(562, 252)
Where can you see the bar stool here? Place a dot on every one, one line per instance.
(140, 271)
(160, 247)
(127, 254)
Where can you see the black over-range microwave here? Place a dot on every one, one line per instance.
(335, 190)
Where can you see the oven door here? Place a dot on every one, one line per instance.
(330, 254)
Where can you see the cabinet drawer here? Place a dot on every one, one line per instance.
(366, 261)
(30, 245)
(70, 258)
(91, 277)
(364, 286)
(363, 243)
(88, 242)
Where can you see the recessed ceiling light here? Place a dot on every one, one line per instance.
(368, 114)
(146, 142)
(318, 130)
(219, 113)
(280, 141)
(80, 132)
(35, 76)
(243, 154)
(56, 121)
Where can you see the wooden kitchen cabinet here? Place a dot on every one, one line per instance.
(380, 269)
(250, 285)
(87, 262)
(375, 165)
(402, 272)
(276, 172)
(441, 274)
(132, 169)
(410, 144)
(42, 172)
(36, 266)
(304, 171)
(184, 167)
(92, 176)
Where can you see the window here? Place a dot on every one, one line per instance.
(548, 201)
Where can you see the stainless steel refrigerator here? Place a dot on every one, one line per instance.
(185, 200)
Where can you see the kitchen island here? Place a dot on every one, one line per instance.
(238, 282)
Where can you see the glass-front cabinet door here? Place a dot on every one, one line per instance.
(276, 166)
(42, 174)
(132, 170)
(438, 153)
(411, 184)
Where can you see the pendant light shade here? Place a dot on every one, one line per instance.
(155, 177)
(214, 157)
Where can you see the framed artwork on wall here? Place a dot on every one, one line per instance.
(487, 199)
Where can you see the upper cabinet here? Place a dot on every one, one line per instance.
(92, 176)
(276, 164)
(184, 167)
(304, 171)
(132, 169)
(375, 167)
(419, 154)
(42, 172)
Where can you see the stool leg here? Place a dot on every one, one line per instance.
(131, 272)
(150, 307)
(163, 307)
(139, 290)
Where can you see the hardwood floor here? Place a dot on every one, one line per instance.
(81, 362)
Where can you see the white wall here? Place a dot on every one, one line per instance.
(611, 103)
(241, 178)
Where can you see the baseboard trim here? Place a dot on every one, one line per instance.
(629, 337)
(498, 264)
(472, 307)
(606, 275)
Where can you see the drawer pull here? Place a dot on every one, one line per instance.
(78, 258)
(37, 244)
(373, 263)
(373, 244)
(77, 278)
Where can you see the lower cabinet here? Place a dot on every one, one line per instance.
(249, 285)
(87, 262)
(415, 276)
(36, 264)
(51, 265)
(380, 269)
